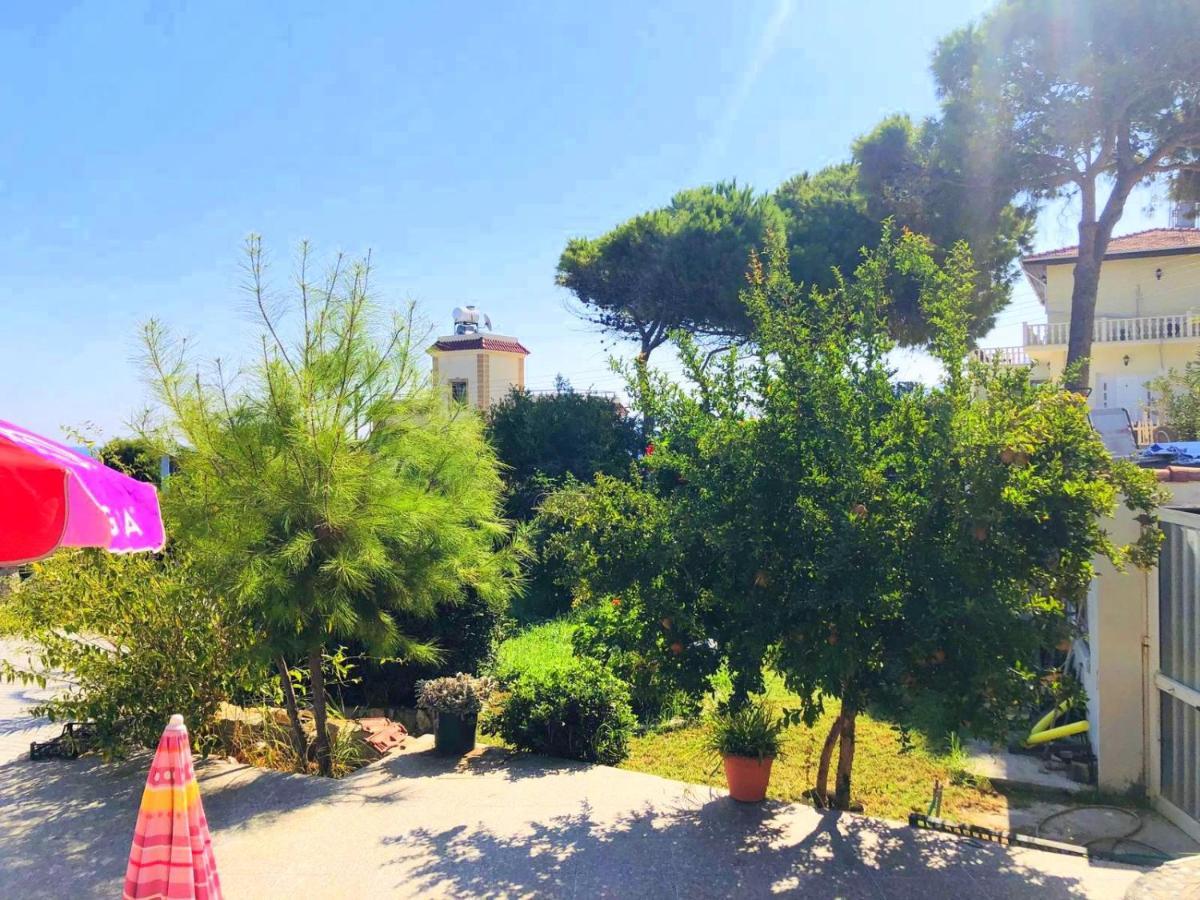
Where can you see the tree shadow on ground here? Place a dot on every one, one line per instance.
(483, 760)
(717, 849)
(61, 817)
(66, 826)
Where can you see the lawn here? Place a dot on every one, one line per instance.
(540, 647)
(893, 772)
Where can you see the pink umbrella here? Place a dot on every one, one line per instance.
(172, 856)
(52, 496)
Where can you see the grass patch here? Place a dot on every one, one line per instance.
(890, 779)
(541, 648)
(894, 771)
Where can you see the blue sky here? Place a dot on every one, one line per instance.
(462, 143)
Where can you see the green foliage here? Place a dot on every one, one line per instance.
(678, 267)
(136, 457)
(538, 649)
(1080, 98)
(1177, 400)
(542, 440)
(752, 729)
(616, 632)
(827, 223)
(922, 178)
(133, 639)
(579, 711)
(465, 633)
(328, 487)
(871, 545)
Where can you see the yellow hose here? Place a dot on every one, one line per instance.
(1039, 733)
(1054, 734)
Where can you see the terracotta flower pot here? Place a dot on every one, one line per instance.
(748, 777)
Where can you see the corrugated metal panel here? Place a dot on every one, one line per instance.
(1180, 778)
(1179, 604)
(1179, 662)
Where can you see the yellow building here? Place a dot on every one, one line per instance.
(1147, 315)
(477, 368)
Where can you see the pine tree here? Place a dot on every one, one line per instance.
(328, 484)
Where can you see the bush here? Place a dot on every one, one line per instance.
(1177, 400)
(135, 639)
(465, 634)
(545, 439)
(617, 633)
(578, 711)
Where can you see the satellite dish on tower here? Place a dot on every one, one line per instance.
(466, 319)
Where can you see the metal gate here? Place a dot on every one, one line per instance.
(1175, 654)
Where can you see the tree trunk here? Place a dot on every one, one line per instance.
(299, 742)
(321, 741)
(821, 788)
(841, 791)
(1094, 235)
(739, 694)
(1083, 315)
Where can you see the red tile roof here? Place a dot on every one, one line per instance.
(483, 342)
(1149, 242)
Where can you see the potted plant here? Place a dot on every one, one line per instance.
(748, 740)
(455, 701)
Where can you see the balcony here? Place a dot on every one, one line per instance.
(1006, 356)
(1174, 327)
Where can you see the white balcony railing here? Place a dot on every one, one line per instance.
(1006, 356)
(1177, 326)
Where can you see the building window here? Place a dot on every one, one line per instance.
(458, 390)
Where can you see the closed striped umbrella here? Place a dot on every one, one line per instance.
(172, 856)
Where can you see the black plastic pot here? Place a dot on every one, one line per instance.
(455, 734)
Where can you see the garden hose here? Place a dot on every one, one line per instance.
(1147, 856)
(1042, 733)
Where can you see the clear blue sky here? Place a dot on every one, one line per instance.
(462, 143)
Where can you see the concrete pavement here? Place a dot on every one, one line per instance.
(17, 728)
(417, 825)
(492, 825)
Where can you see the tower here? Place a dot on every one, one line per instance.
(478, 368)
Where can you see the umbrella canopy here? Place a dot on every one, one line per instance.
(51, 496)
(172, 856)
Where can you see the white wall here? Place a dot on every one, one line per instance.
(1118, 636)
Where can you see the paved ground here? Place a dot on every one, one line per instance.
(16, 728)
(413, 824)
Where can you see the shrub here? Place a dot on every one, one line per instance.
(135, 639)
(579, 712)
(752, 730)
(546, 441)
(1177, 400)
(617, 633)
(465, 634)
(461, 695)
